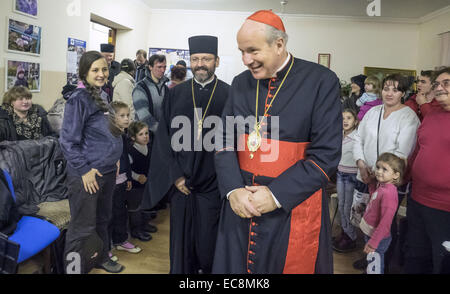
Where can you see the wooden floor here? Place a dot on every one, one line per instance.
(154, 257)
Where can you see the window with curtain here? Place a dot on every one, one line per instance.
(445, 49)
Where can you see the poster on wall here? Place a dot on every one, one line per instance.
(23, 73)
(172, 56)
(76, 48)
(26, 7)
(23, 38)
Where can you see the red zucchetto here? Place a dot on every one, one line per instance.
(269, 18)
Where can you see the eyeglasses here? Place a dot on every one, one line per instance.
(203, 59)
(445, 84)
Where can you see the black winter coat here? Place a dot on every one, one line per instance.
(38, 172)
(8, 210)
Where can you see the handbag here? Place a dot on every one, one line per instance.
(361, 195)
(361, 198)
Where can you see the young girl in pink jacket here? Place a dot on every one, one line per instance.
(380, 212)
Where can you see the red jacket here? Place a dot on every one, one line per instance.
(424, 109)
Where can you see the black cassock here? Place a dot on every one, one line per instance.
(177, 153)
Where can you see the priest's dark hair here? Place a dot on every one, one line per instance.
(157, 57)
(86, 61)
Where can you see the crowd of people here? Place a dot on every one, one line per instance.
(240, 207)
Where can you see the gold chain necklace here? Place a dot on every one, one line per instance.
(254, 139)
(200, 122)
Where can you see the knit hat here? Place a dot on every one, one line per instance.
(359, 80)
(269, 18)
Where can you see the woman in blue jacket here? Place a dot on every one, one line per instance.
(92, 149)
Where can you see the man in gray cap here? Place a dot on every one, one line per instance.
(188, 176)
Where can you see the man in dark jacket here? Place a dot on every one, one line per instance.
(107, 51)
(141, 65)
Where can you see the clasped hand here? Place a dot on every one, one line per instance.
(252, 201)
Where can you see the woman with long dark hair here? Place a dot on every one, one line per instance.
(92, 149)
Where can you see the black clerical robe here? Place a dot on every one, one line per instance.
(296, 168)
(177, 153)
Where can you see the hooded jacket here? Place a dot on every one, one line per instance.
(123, 85)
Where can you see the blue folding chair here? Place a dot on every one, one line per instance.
(32, 234)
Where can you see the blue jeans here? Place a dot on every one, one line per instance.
(381, 250)
(345, 184)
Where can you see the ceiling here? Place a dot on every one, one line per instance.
(412, 9)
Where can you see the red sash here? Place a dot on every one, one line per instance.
(306, 217)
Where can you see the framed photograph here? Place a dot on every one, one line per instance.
(26, 7)
(381, 73)
(324, 59)
(172, 56)
(23, 73)
(23, 38)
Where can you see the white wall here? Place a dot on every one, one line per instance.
(429, 40)
(352, 42)
(98, 34)
(58, 25)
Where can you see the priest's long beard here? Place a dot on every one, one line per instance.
(203, 77)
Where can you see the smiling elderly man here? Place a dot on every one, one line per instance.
(276, 218)
(429, 205)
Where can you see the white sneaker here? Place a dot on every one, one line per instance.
(128, 247)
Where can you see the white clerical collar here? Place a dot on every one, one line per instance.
(284, 64)
(205, 83)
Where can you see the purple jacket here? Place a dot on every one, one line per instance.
(367, 106)
(85, 138)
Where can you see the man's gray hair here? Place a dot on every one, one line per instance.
(274, 34)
